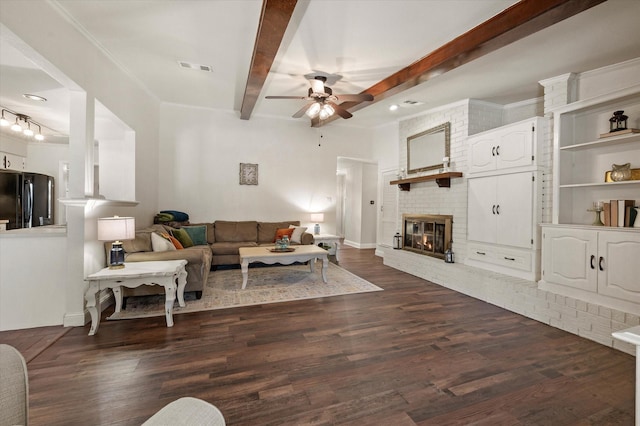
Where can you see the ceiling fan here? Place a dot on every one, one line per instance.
(323, 101)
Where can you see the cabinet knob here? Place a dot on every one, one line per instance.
(498, 209)
(498, 150)
(600, 263)
(493, 151)
(493, 209)
(592, 259)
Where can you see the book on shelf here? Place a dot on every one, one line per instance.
(621, 212)
(613, 221)
(630, 216)
(606, 214)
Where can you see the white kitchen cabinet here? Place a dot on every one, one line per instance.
(594, 264)
(11, 161)
(506, 148)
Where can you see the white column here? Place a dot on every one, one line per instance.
(632, 335)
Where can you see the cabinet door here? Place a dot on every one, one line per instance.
(619, 265)
(514, 209)
(482, 154)
(514, 147)
(11, 162)
(481, 207)
(570, 257)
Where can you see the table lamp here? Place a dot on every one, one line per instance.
(318, 218)
(115, 229)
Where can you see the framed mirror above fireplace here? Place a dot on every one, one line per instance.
(426, 150)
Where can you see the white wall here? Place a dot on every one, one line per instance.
(200, 153)
(62, 51)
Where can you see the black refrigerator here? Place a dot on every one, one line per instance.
(26, 199)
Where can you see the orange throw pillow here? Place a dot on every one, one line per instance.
(282, 232)
(174, 241)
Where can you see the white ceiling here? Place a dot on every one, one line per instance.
(357, 42)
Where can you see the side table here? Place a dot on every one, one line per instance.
(170, 273)
(333, 241)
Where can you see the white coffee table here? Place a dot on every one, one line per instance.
(301, 253)
(165, 273)
(333, 241)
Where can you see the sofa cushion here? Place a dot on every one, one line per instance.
(142, 242)
(198, 234)
(160, 244)
(182, 236)
(267, 230)
(226, 231)
(230, 247)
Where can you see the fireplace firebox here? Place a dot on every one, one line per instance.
(427, 234)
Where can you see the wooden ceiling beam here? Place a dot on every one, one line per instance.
(517, 22)
(274, 19)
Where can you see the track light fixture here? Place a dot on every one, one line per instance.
(22, 124)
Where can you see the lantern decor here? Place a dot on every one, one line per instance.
(448, 256)
(618, 122)
(397, 241)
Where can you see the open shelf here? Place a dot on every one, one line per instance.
(442, 179)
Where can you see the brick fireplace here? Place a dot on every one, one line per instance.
(427, 234)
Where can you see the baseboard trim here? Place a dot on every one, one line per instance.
(80, 319)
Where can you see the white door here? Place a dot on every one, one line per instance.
(388, 209)
(515, 209)
(619, 265)
(482, 213)
(570, 257)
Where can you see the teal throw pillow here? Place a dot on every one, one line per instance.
(198, 234)
(182, 236)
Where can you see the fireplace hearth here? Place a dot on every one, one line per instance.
(429, 235)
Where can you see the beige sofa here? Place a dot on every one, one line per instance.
(224, 239)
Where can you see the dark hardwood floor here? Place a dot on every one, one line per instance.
(415, 353)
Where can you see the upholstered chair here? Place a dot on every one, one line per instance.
(14, 387)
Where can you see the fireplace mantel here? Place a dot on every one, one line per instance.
(442, 179)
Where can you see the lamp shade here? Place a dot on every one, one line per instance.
(116, 228)
(317, 217)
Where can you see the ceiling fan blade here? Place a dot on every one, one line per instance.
(362, 97)
(340, 111)
(302, 110)
(286, 97)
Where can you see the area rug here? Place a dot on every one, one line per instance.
(271, 284)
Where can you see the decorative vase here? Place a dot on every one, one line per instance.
(620, 172)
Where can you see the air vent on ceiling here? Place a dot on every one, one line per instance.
(410, 103)
(189, 65)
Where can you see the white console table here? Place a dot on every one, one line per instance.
(165, 273)
(632, 335)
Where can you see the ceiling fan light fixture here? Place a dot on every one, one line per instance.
(313, 110)
(3, 121)
(326, 112)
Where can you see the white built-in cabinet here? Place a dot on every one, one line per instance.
(503, 191)
(11, 161)
(593, 263)
(503, 148)
(596, 266)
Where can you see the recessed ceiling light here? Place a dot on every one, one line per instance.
(393, 107)
(34, 97)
